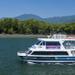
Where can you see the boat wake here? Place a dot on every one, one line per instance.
(51, 63)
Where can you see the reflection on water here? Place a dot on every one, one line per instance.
(10, 65)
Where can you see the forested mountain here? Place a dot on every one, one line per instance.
(32, 24)
(63, 19)
(28, 16)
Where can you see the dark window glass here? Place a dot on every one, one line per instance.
(52, 43)
(49, 53)
(43, 43)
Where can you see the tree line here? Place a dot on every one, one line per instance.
(32, 26)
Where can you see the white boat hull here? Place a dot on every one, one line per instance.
(68, 59)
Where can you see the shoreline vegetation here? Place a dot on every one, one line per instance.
(14, 26)
(21, 36)
(28, 35)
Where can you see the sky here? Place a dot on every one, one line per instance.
(42, 8)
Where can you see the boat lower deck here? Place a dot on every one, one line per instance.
(49, 59)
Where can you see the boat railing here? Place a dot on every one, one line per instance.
(59, 36)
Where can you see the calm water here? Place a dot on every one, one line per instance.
(10, 64)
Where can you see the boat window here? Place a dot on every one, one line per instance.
(28, 52)
(73, 52)
(52, 45)
(43, 43)
(69, 44)
(50, 53)
(38, 42)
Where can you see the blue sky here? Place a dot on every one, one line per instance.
(42, 8)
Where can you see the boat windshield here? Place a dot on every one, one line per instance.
(38, 42)
(69, 44)
(28, 52)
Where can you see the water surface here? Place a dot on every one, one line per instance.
(10, 64)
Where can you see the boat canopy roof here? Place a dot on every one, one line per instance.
(48, 39)
(51, 39)
(57, 37)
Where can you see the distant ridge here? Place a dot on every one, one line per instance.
(63, 19)
(28, 16)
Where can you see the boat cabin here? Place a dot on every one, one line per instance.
(49, 44)
(45, 43)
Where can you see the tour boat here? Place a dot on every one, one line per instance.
(57, 48)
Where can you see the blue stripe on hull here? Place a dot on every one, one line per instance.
(50, 59)
(65, 58)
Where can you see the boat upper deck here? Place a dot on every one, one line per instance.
(51, 39)
(58, 37)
